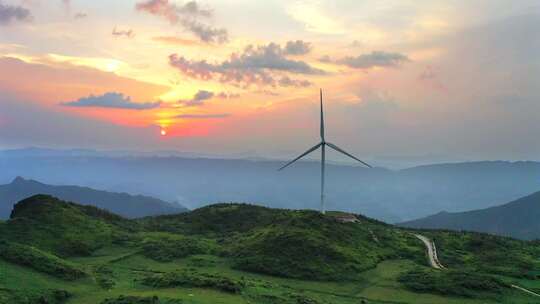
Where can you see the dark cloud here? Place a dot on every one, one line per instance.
(198, 99)
(127, 33)
(297, 47)
(192, 8)
(206, 33)
(373, 59)
(253, 66)
(172, 12)
(203, 116)
(161, 8)
(11, 13)
(111, 100)
(370, 60)
(224, 95)
(286, 81)
(187, 16)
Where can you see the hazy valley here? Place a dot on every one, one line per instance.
(392, 196)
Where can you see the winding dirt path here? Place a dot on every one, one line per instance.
(532, 293)
(434, 261)
(432, 252)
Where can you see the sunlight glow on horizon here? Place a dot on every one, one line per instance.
(386, 68)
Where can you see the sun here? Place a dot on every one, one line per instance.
(163, 132)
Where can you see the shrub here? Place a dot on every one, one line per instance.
(456, 283)
(190, 278)
(47, 296)
(299, 254)
(164, 247)
(39, 260)
(104, 277)
(132, 300)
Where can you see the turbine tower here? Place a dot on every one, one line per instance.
(323, 145)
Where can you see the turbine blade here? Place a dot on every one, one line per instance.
(322, 120)
(304, 154)
(344, 152)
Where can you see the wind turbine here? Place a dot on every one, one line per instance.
(323, 145)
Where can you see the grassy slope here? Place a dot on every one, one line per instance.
(302, 249)
(484, 253)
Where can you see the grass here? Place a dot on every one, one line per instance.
(483, 253)
(234, 253)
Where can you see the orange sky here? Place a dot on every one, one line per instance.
(241, 76)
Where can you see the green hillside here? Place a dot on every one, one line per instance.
(63, 228)
(60, 252)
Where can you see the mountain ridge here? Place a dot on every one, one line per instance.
(518, 219)
(124, 204)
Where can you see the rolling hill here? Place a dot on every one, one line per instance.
(240, 253)
(130, 206)
(518, 219)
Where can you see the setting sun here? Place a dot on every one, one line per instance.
(163, 132)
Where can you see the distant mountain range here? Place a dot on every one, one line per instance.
(518, 219)
(389, 195)
(130, 206)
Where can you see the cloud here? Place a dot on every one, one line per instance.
(253, 66)
(286, 81)
(11, 13)
(172, 12)
(187, 16)
(373, 59)
(198, 99)
(31, 123)
(224, 95)
(297, 47)
(161, 8)
(370, 60)
(206, 33)
(203, 116)
(41, 81)
(175, 40)
(111, 100)
(325, 59)
(127, 33)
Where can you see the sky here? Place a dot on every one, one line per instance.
(402, 80)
